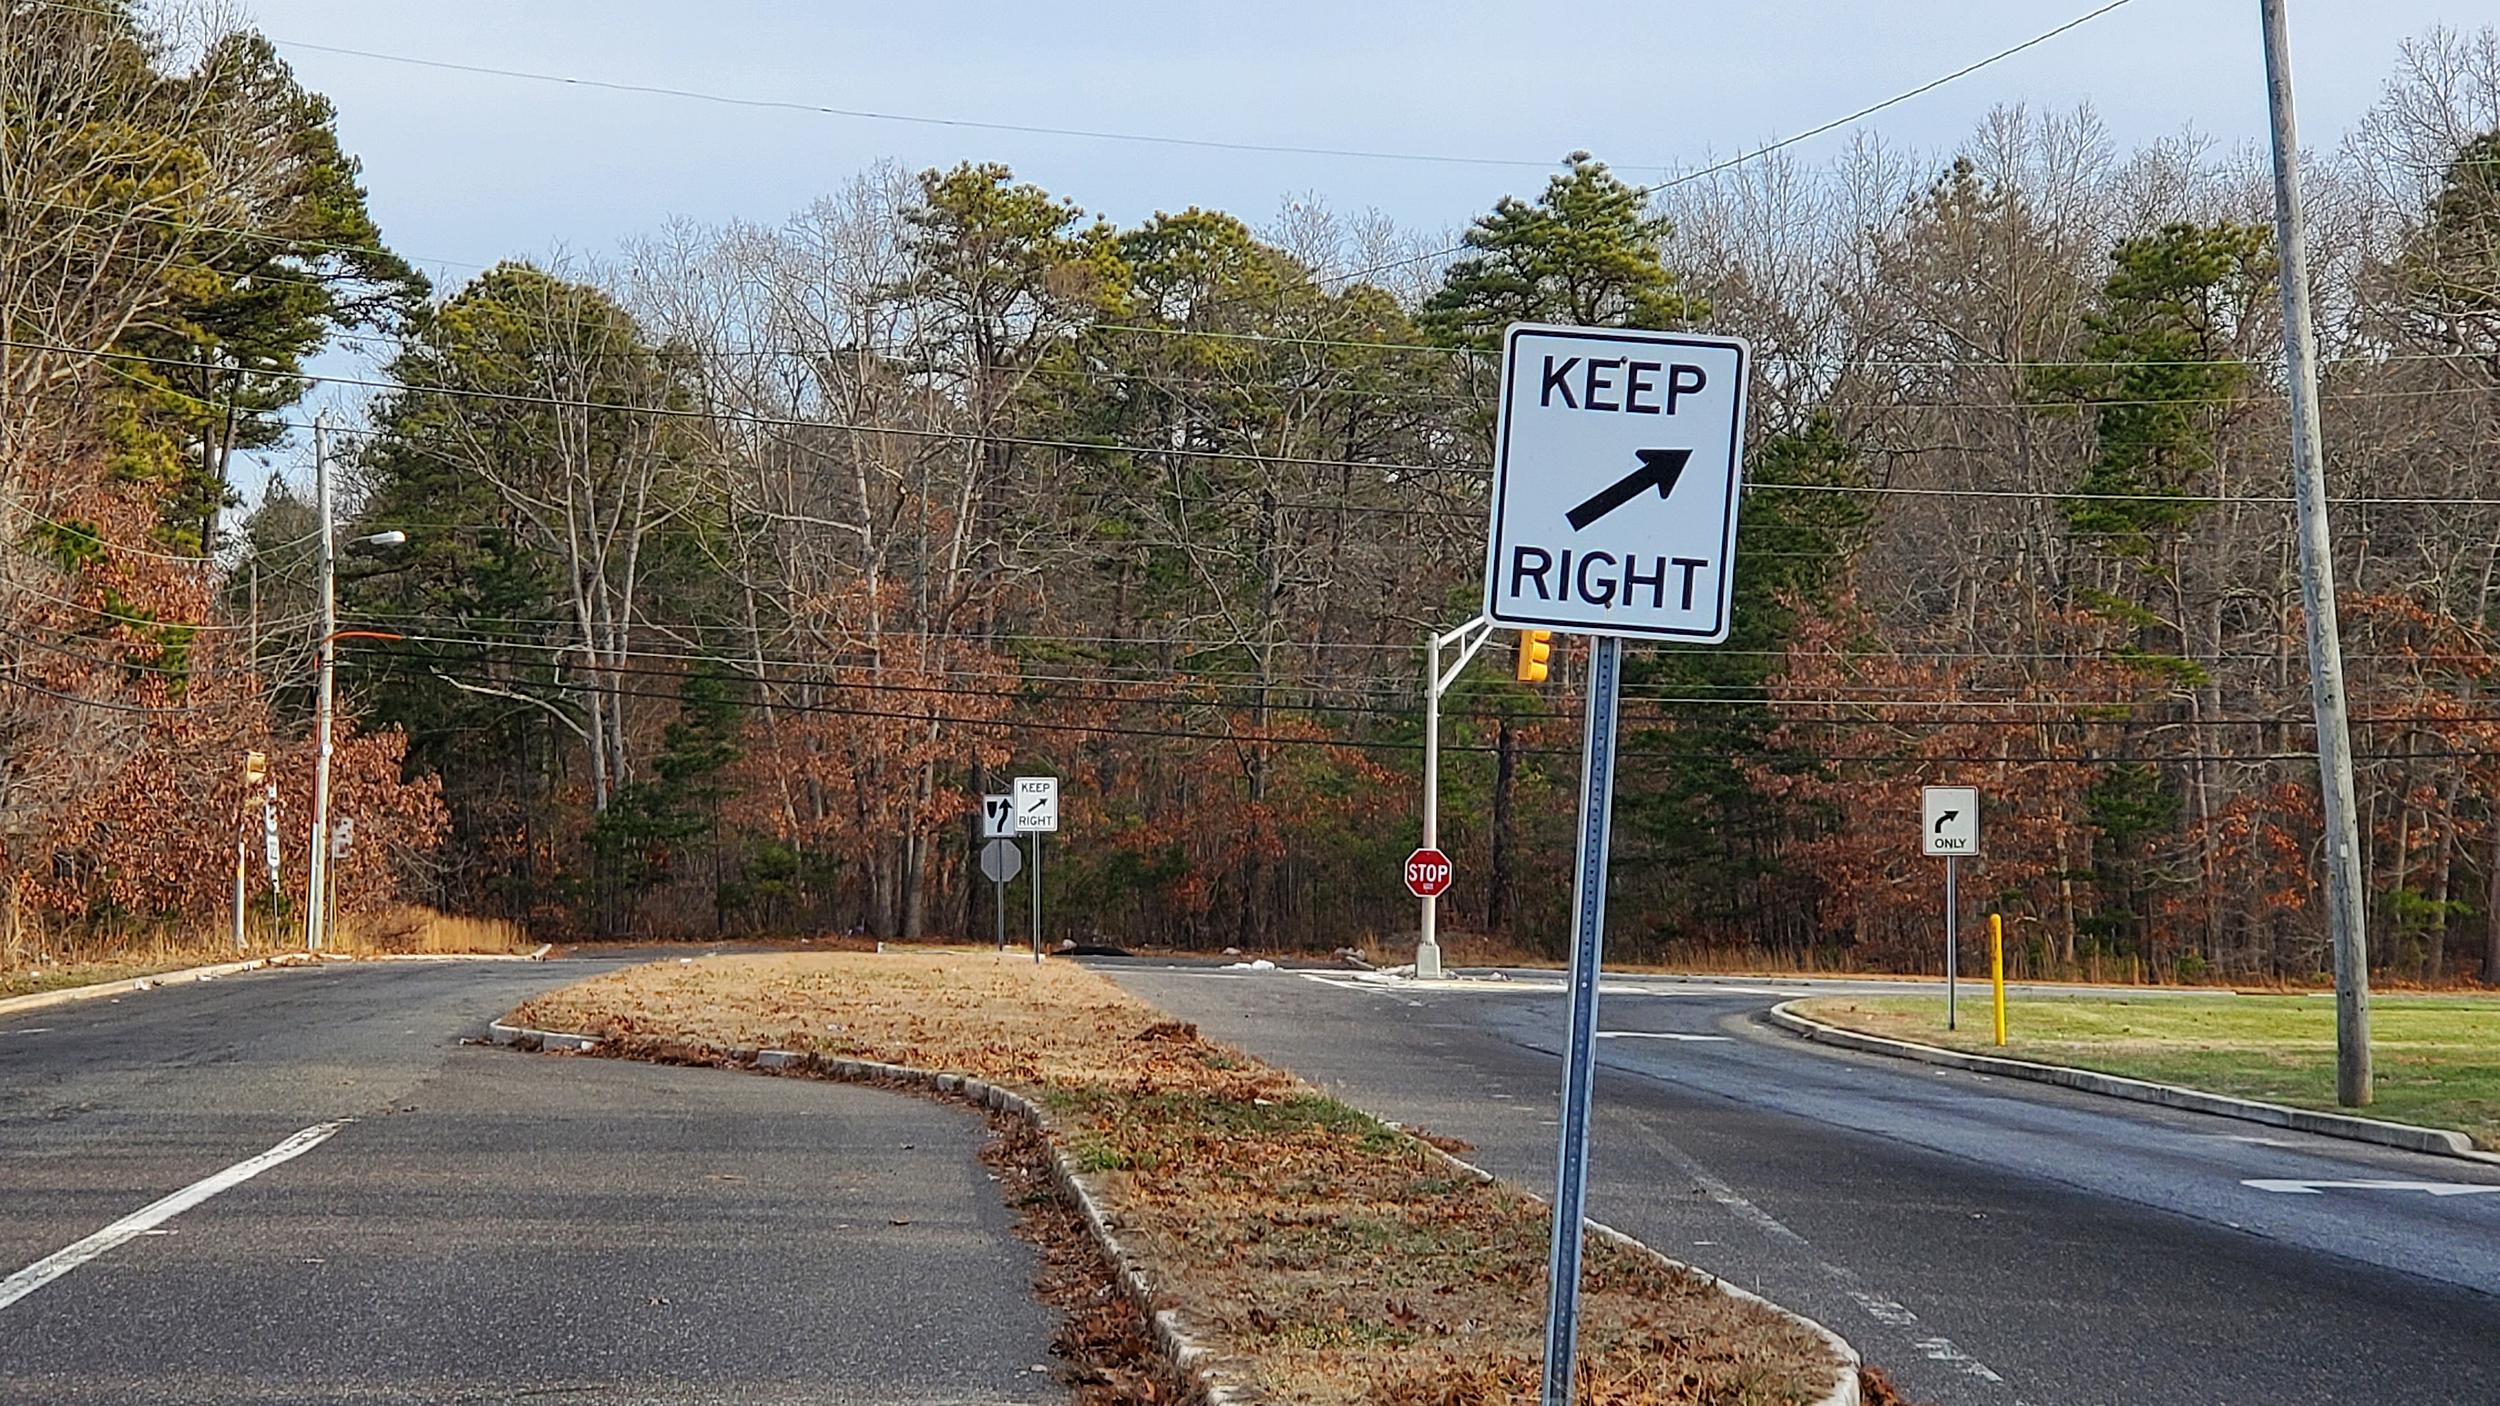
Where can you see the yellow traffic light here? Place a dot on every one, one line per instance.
(1536, 654)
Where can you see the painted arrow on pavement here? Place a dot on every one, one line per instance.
(2315, 1188)
(1659, 469)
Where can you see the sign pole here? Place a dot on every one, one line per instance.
(998, 892)
(1037, 898)
(1952, 936)
(1571, 1171)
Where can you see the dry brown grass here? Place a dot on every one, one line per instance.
(39, 961)
(1336, 1260)
(410, 929)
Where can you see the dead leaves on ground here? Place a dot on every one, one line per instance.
(1335, 1259)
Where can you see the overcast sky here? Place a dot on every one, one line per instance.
(464, 169)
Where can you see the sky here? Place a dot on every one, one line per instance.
(463, 169)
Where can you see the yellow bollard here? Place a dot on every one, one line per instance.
(1996, 968)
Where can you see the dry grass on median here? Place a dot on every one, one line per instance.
(1333, 1259)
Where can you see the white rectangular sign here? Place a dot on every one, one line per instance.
(1037, 804)
(998, 817)
(1949, 821)
(1617, 463)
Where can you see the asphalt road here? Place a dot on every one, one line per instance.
(486, 1226)
(1984, 1241)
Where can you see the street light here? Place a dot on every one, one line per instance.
(317, 873)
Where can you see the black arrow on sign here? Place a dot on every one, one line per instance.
(1946, 819)
(1659, 469)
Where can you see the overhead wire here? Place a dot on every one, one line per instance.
(1266, 460)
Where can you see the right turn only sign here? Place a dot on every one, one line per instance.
(1949, 821)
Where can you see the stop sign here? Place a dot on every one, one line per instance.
(1427, 873)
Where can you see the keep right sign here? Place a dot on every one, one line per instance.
(1949, 821)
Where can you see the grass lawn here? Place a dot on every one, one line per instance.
(1331, 1258)
(2437, 1058)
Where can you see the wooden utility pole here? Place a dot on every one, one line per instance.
(2317, 590)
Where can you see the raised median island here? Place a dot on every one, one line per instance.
(2438, 1056)
(1324, 1256)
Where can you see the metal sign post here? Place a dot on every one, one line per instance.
(1952, 943)
(1037, 814)
(1588, 947)
(1949, 826)
(1000, 862)
(1617, 471)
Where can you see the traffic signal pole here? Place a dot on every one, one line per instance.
(1466, 639)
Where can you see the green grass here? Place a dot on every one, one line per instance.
(2437, 1058)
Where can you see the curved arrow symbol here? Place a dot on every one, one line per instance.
(1659, 469)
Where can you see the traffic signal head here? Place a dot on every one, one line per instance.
(1536, 654)
(255, 766)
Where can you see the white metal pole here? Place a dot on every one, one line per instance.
(2317, 589)
(316, 885)
(1428, 945)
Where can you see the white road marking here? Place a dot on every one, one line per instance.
(2319, 1188)
(1662, 1035)
(1341, 982)
(1889, 1312)
(34, 1030)
(148, 1217)
(1474, 987)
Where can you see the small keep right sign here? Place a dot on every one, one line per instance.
(1949, 821)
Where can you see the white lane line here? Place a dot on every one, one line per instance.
(2319, 1188)
(1337, 981)
(1889, 1312)
(35, 1030)
(1662, 1035)
(147, 1218)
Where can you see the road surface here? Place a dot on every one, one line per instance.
(483, 1226)
(1984, 1241)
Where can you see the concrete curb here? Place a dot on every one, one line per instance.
(67, 994)
(1845, 1390)
(1214, 1377)
(2437, 1141)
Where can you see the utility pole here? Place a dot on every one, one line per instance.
(2317, 588)
(316, 877)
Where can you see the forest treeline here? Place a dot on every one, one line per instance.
(741, 563)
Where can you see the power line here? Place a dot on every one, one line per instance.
(1388, 744)
(1225, 455)
(1730, 164)
(1010, 687)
